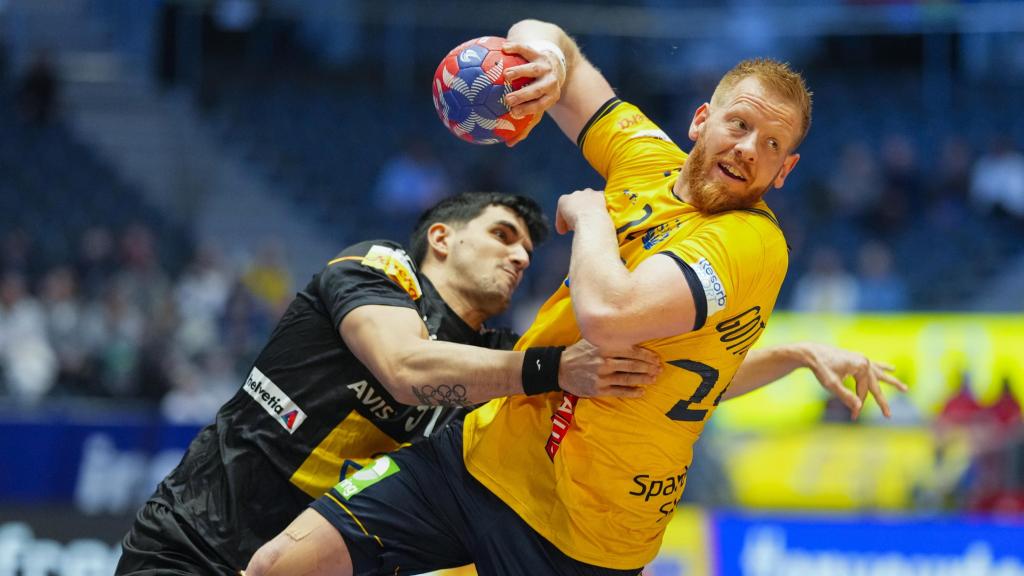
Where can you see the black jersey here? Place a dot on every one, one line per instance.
(309, 413)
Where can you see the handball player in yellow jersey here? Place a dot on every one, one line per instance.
(679, 253)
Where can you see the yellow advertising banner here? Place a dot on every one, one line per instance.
(840, 467)
(933, 354)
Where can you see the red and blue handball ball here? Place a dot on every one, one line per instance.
(470, 88)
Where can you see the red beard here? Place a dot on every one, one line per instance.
(712, 197)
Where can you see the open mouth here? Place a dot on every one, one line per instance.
(731, 172)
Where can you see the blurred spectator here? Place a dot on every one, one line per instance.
(199, 391)
(997, 180)
(29, 365)
(201, 296)
(96, 263)
(245, 326)
(38, 92)
(948, 190)
(411, 182)
(902, 186)
(836, 411)
(1006, 410)
(952, 171)
(236, 15)
(268, 278)
(64, 316)
(141, 275)
(961, 408)
(827, 286)
(16, 252)
(879, 288)
(856, 187)
(114, 328)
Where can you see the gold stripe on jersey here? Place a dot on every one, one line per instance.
(606, 495)
(393, 262)
(343, 258)
(354, 519)
(355, 437)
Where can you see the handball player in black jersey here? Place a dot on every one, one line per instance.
(382, 348)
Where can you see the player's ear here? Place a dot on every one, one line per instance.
(699, 118)
(787, 166)
(439, 237)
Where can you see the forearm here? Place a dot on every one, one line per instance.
(443, 373)
(527, 31)
(764, 366)
(598, 280)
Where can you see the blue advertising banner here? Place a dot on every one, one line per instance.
(780, 546)
(105, 463)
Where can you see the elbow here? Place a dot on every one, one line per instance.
(398, 378)
(602, 326)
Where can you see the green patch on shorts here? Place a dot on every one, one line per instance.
(379, 470)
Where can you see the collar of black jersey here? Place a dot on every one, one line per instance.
(451, 321)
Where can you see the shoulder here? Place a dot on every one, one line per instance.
(622, 120)
(757, 224)
(374, 260)
(370, 248)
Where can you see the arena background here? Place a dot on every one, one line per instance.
(171, 172)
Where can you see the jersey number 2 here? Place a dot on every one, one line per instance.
(708, 378)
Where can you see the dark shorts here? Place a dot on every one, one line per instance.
(158, 544)
(422, 511)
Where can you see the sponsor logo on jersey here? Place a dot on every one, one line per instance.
(368, 476)
(656, 133)
(671, 486)
(372, 399)
(398, 267)
(631, 121)
(714, 291)
(659, 233)
(561, 420)
(648, 487)
(274, 401)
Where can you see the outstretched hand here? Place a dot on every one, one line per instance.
(585, 371)
(832, 365)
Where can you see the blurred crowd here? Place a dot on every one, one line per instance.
(989, 478)
(112, 322)
(959, 216)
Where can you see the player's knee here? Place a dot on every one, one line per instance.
(309, 546)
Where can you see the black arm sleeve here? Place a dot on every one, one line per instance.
(696, 288)
(376, 272)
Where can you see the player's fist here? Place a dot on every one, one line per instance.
(571, 207)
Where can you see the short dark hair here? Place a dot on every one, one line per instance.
(464, 207)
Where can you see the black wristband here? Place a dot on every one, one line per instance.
(540, 370)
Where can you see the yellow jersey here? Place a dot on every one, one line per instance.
(600, 478)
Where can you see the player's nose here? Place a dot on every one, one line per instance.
(519, 257)
(746, 148)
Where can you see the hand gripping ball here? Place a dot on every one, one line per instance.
(469, 92)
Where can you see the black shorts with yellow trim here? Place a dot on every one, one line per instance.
(419, 510)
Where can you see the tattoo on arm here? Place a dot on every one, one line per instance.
(442, 395)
